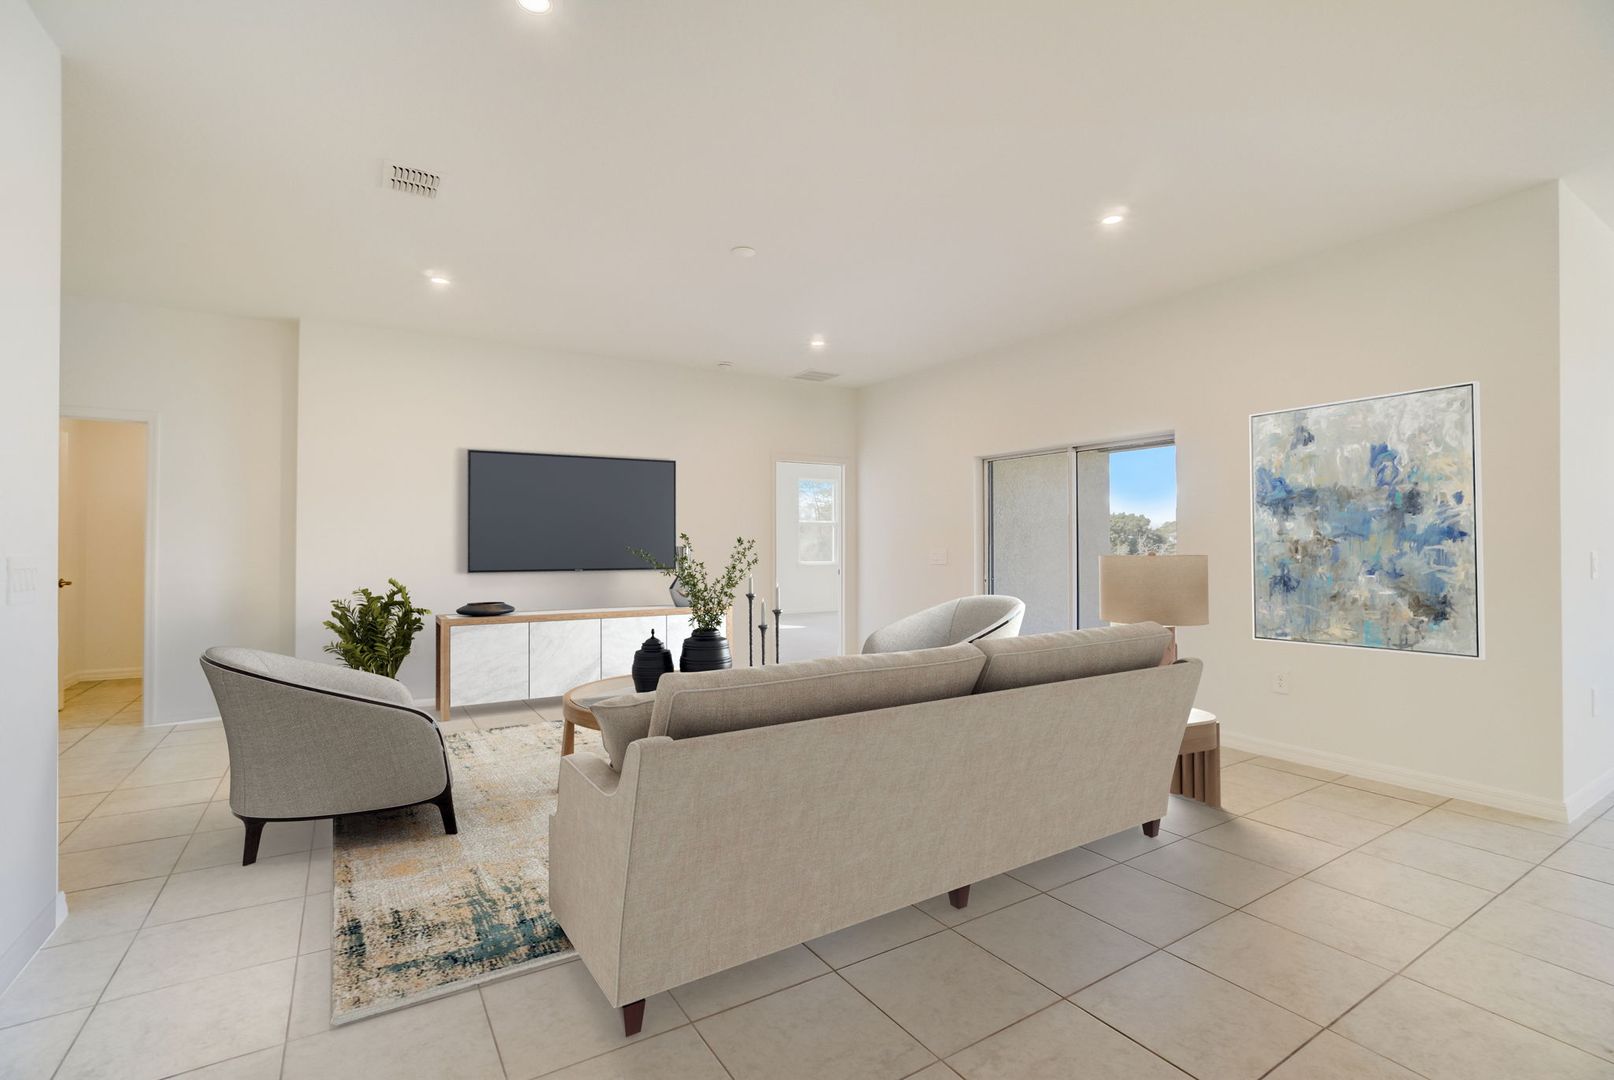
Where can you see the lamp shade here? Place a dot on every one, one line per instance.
(1172, 590)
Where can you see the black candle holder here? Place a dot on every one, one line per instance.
(778, 632)
(763, 629)
(750, 642)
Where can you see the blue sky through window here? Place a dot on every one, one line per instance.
(1145, 482)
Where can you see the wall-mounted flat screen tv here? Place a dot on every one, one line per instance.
(566, 512)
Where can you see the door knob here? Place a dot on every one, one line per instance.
(62, 583)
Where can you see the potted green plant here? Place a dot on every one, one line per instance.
(706, 648)
(375, 632)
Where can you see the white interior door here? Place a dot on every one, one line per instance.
(809, 561)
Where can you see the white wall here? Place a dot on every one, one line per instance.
(219, 392)
(1586, 478)
(103, 548)
(30, 315)
(385, 418)
(804, 587)
(1467, 296)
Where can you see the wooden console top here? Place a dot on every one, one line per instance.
(560, 616)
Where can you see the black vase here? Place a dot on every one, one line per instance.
(705, 650)
(650, 663)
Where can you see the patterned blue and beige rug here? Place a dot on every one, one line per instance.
(418, 913)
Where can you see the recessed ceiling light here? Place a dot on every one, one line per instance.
(442, 281)
(1114, 217)
(536, 7)
(817, 343)
(742, 252)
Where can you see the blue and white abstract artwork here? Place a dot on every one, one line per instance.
(1365, 523)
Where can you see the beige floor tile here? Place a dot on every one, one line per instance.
(579, 1021)
(1130, 843)
(1185, 817)
(1442, 1038)
(1493, 836)
(985, 896)
(1059, 1043)
(749, 981)
(1585, 898)
(1248, 786)
(1309, 771)
(1576, 944)
(1550, 999)
(1304, 976)
(1231, 757)
(262, 1065)
(183, 1027)
(1057, 870)
(874, 936)
(80, 870)
(1395, 791)
(1404, 888)
(324, 833)
(785, 1036)
(1059, 946)
(132, 800)
(182, 738)
(63, 830)
(319, 920)
(33, 1050)
(1329, 1057)
(1370, 931)
(80, 712)
(133, 828)
(1220, 875)
(1144, 906)
(1459, 862)
(111, 909)
(1203, 1025)
(448, 1037)
(1278, 848)
(680, 1054)
(89, 779)
(66, 737)
(1599, 833)
(946, 992)
(311, 996)
(218, 816)
(226, 888)
(1364, 804)
(211, 945)
(1586, 860)
(165, 766)
(222, 847)
(1561, 829)
(321, 872)
(91, 756)
(1320, 823)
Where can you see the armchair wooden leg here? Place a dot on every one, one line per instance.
(1151, 829)
(445, 805)
(959, 897)
(632, 1017)
(249, 853)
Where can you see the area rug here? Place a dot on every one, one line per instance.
(418, 913)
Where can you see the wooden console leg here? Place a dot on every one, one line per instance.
(632, 1017)
(1151, 829)
(959, 897)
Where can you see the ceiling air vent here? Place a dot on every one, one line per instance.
(410, 181)
(816, 376)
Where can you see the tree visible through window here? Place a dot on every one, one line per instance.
(815, 521)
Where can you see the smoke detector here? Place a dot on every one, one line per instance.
(816, 376)
(408, 180)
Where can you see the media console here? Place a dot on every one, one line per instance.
(543, 654)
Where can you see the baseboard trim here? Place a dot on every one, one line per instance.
(1590, 795)
(32, 938)
(101, 675)
(1434, 783)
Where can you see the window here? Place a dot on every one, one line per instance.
(1052, 515)
(815, 521)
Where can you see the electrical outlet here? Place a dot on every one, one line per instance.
(938, 556)
(1280, 682)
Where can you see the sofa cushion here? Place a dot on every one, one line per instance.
(709, 702)
(622, 720)
(312, 673)
(1069, 654)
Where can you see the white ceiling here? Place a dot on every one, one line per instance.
(920, 178)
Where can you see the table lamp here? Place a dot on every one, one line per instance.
(1172, 590)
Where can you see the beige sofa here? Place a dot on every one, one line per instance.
(768, 806)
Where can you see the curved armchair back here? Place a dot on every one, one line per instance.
(969, 618)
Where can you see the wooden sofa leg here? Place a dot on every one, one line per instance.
(959, 897)
(249, 853)
(632, 1017)
(1151, 829)
(445, 806)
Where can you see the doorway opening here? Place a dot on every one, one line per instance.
(102, 551)
(809, 559)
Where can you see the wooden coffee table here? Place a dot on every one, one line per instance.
(577, 706)
(1199, 763)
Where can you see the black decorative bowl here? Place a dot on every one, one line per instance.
(487, 607)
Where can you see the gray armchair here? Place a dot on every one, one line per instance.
(969, 618)
(310, 740)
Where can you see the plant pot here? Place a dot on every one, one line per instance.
(705, 650)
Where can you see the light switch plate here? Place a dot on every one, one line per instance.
(22, 581)
(938, 556)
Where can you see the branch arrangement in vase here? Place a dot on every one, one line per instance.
(375, 633)
(709, 597)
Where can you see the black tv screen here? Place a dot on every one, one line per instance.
(564, 512)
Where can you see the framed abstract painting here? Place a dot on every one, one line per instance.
(1366, 523)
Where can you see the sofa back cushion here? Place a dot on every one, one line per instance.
(709, 702)
(1069, 654)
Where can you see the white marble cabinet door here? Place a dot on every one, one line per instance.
(565, 653)
(621, 638)
(488, 663)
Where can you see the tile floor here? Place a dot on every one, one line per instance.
(1335, 927)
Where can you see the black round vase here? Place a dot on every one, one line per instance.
(705, 650)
